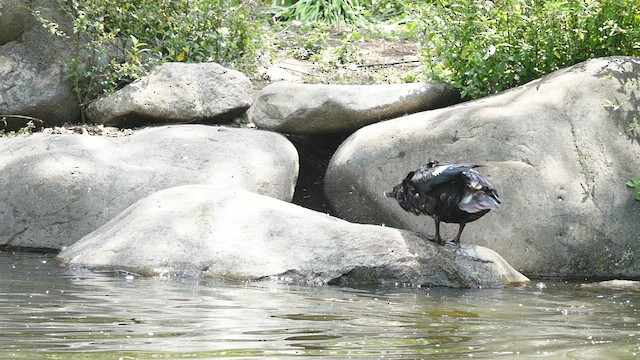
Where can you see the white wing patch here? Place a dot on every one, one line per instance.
(439, 169)
(475, 185)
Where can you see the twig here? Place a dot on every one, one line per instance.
(296, 70)
(389, 63)
(22, 117)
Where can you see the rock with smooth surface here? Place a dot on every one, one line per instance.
(208, 230)
(32, 77)
(13, 18)
(312, 109)
(205, 93)
(58, 188)
(559, 150)
(616, 284)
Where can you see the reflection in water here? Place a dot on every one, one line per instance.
(48, 312)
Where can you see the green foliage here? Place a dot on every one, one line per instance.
(27, 130)
(634, 127)
(331, 12)
(340, 12)
(483, 47)
(410, 77)
(383, 10)
(348, 51)
(118, 42)
(635, 184)
(308, 43)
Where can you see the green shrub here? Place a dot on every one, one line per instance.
(387, 9)
(339, 12)
(305, 43)
(331, 12)
(348, 52)
(635, 184)
(118, 42)
(26, 130)
(483, 47)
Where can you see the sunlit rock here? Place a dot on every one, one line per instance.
(13, 19)
(614, 285)
(312, 109)
(32, 77)
(239, 234)
(58, 188)
(559, 150)
(205, 93)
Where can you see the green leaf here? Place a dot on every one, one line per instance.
(637, 197)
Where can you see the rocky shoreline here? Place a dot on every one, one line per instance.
(295, 190)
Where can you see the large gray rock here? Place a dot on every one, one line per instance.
(557, 153)
(623, 285)
(203, 229)
(58, 188)
(176, 92)
(312, 109)
(13, 18)
(32, 78)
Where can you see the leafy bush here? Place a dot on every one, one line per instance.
(339, 12)
(26, 130)
(118, 42)
(305, 43)
(483, 46)
(387, 9)
(635, 184)
(331, 12)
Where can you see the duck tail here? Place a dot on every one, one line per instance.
(479, 201)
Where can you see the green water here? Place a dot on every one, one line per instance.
(52, 313)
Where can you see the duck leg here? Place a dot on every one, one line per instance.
(438, 238)
(456, 240)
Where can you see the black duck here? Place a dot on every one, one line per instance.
(448, 192)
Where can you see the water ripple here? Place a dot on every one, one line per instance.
(47, 312)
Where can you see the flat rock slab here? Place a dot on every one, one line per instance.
(58, 188)
(312, 109)
(204, 93)
(208, 230)
(622, 285)
(559, 150)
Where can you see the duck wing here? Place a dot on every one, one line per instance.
(434, 173)
(478, 193)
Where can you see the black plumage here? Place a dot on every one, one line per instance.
(448, 192)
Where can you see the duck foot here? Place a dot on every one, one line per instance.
(440, 241)
(452, 242)
(428, 237)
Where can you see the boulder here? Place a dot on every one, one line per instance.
(13, 18)
(204, 93)
(313, 109)
(58, 188)
(559, 150)
(622, 285)
(32, 78)
(214, 231)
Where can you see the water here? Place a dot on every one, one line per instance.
(52, 313)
